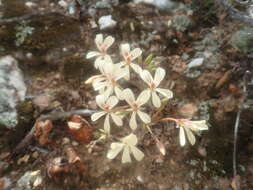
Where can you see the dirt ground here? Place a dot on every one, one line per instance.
(55, 68)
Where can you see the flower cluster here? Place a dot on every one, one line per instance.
(121, 107)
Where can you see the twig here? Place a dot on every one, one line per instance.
(237, 123)
(63, 115)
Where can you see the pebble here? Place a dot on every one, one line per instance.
(74, 143)
(63, 3)
(30, 4)
(197, 62)
(160, 4)
(106, 22)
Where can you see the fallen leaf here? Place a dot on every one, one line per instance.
(80, 129)
(23, 159)
(42, 131)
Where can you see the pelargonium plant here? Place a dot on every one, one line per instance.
(123, 108)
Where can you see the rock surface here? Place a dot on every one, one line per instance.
(13, 89)
(243, 40)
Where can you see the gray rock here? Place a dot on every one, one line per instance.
(106, 22)
(13, 89)
(103, 4)
(160, 4)
(242, 40)
(181, 23)
(28, 180)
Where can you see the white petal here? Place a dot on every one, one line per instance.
(107, 126)
(136, 68)
(143, 97)
(165, 92)
(159, 75)
(190, 136)
(108, 91)
(181, 136)
(112, 101)
(91, 79)
(129, 96)
(99, 62)
(133, 123)
(108, 41)
(125, 49)
(130, 140)
(156, 100)
(144, 117)
(146, 77)
(115, 150)
(99, 85)
(97, 115)
(117, 119)
(99, 40)
(102, 61)
(108, 68)
(100, 100)
(126, 155)
(119, 72)
(98, 79)
(138, 155)
(199, 125)
(119, 93)
(135, 53)
(92, 54)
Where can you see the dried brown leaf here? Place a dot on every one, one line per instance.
(42, 131)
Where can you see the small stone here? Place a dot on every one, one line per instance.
(202, 151)
(160, 4)
(63, 3)
(197, 62)
(106, 22)
(30, 4)
(37, 182)
(35, 154)
(140, 179)
(74, 143)
(23, 159)
(29, 55)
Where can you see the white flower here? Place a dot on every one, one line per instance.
(102, 45)
(129, 56)
(106, 104)
(128, 145)
(136, 106)
(153, 84)
(187, 126)
(107, 82)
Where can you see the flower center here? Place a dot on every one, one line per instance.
(135, 106)
(106, 107)
(152, 86)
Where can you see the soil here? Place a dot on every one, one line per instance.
(55, 68)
